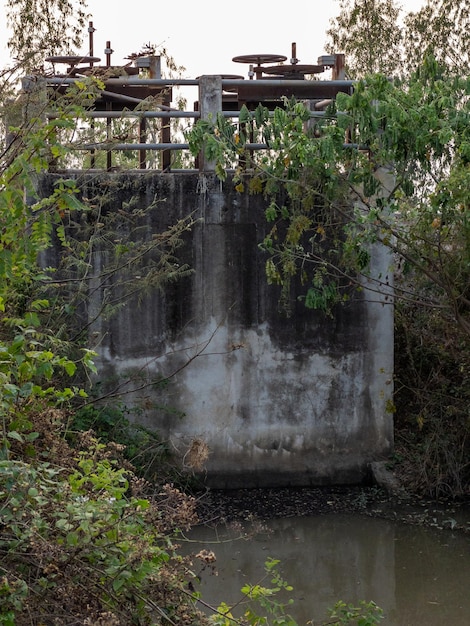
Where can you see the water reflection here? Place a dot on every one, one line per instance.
(420, 577)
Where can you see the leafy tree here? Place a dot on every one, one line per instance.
(440, 29)
(368, 33)
(39, 28)
(376, 36)
(43, 28)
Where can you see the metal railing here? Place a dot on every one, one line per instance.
(215, 95)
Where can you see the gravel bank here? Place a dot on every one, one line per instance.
(247, 504)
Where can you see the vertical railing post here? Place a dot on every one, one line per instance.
(210, 104)
(338, 72)
(153, 65)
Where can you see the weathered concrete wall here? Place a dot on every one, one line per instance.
(279, 401)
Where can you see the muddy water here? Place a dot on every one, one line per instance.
(419, 576)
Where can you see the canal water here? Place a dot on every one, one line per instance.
(418, 576)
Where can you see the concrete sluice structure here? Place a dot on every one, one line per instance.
(275, 400)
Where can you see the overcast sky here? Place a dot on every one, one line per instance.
(204, 35)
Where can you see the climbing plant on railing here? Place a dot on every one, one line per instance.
(386, 164)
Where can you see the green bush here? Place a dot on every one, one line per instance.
(149, 455)
(85, 546)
